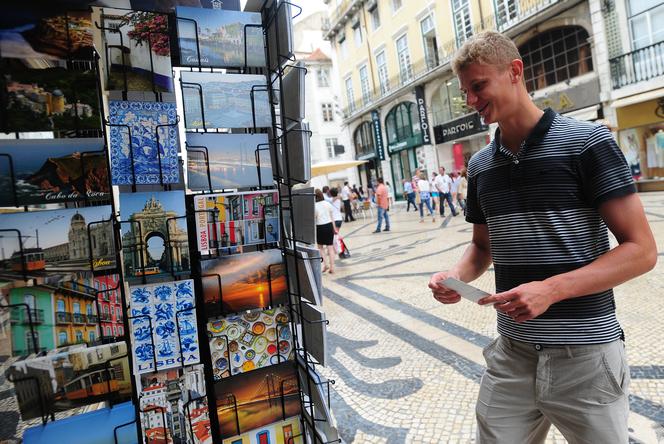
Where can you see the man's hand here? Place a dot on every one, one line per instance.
(525, 302)
(440, 292)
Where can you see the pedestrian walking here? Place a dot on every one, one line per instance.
(462, 189)
(454, 185)
(336, 203)
(410, 194)
(326, 194)
(390, 194)
(443, 185)
(425, 197)
(540, 197)
(435, 195)
(345, 197)
(382, 205)
(325, 230)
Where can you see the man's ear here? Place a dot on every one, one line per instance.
(516, 70)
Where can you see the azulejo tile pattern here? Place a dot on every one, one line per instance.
(158, 311)
(144, 120)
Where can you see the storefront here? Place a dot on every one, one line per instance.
(369, 147)
(458, 139)
(641, 138)
(404, 136)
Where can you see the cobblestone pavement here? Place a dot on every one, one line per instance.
(407, 369)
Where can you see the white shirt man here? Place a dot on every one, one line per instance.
(443, 184)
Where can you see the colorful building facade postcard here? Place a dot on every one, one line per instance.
(154, 234)
(73, 378)
(234, 160)
(248, 281)
(282, 432)
(170, 5)
(236, 222)
(228, 100)
(59, 241)
(53, 171)
(250, 340)
(31, 32)
(258, 398)
(138, 53)
(219, 38)
(152, 148)
(163, 325)
(173, 406)
(43, 95)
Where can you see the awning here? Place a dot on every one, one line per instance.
(332, 166)
(638, 98)
(589, 113)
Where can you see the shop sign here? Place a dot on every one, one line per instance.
(375, 120)
(422, 114)
(458, 128)
(580, 96)
(410, 142)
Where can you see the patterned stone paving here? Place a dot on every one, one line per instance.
(407, 368)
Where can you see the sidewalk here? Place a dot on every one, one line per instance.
(407, 368)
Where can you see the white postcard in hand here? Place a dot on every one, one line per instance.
(465, 291)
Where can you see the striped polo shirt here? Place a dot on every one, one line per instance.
(541, 209)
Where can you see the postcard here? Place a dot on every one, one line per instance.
(250, 340)
(319, 394)
(302, 280)
(59, 241)
(280, 36)
(154, 234)
(53, 171)
(173, 406)
(153, 142)
(231, 160)
(258, 398)
(74, 378)
(248, 281)
(221, 38)
(138, 54)
(282, 432)
(170, 5)
(42, 95)
(163, 325)
(292, 107)
(302, 212)
(233, 222)
(229, 100)
(31, 32)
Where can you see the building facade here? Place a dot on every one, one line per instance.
(586, 59)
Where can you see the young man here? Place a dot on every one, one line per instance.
(443, 184)
(382, 205)
(345, 198)
(410, 194)
(541, 196)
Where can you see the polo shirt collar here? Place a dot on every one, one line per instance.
(537, 134)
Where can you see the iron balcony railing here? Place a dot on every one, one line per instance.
(92, 319)
(20, 315)
(62, 317)
(79, 318)
(637, 66)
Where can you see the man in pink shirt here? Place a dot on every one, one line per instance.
(382, 203)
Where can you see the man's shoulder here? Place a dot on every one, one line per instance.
(480, 158)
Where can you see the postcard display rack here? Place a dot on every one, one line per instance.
(158, 282)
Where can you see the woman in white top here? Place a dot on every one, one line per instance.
(336, 203)
(462, 189)
(325, 230)
(425, 197)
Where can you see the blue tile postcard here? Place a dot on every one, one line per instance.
(138, 56)
(154, 236)
(58, 241)
(221, 38)
(227, 100)
(232, 161)
(43, 95)
(50, 171)
(158, 312)
(138, 162)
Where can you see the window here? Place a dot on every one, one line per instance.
(643, 18)
(375, 18)
(120, 330)
(329, 144)
(402, 122)
(448, 103)
(77, 307)
(506, 12)
(30, 300)
(396, 5)
(364, 84)
(461, 16)
(79, 336)
(88, 310)
(349, 94)
(357, 34)
(429, 41)
(29, 342)
(108, 331)
(323, 77)
(555, 56)
(62, 338)
(61, 306)
(328, 114)
(405, 69)
(383, 79)
(91, 336)
(364, 140)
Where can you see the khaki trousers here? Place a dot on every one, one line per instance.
(582, 390)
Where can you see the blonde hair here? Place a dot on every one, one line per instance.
(487, 48)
